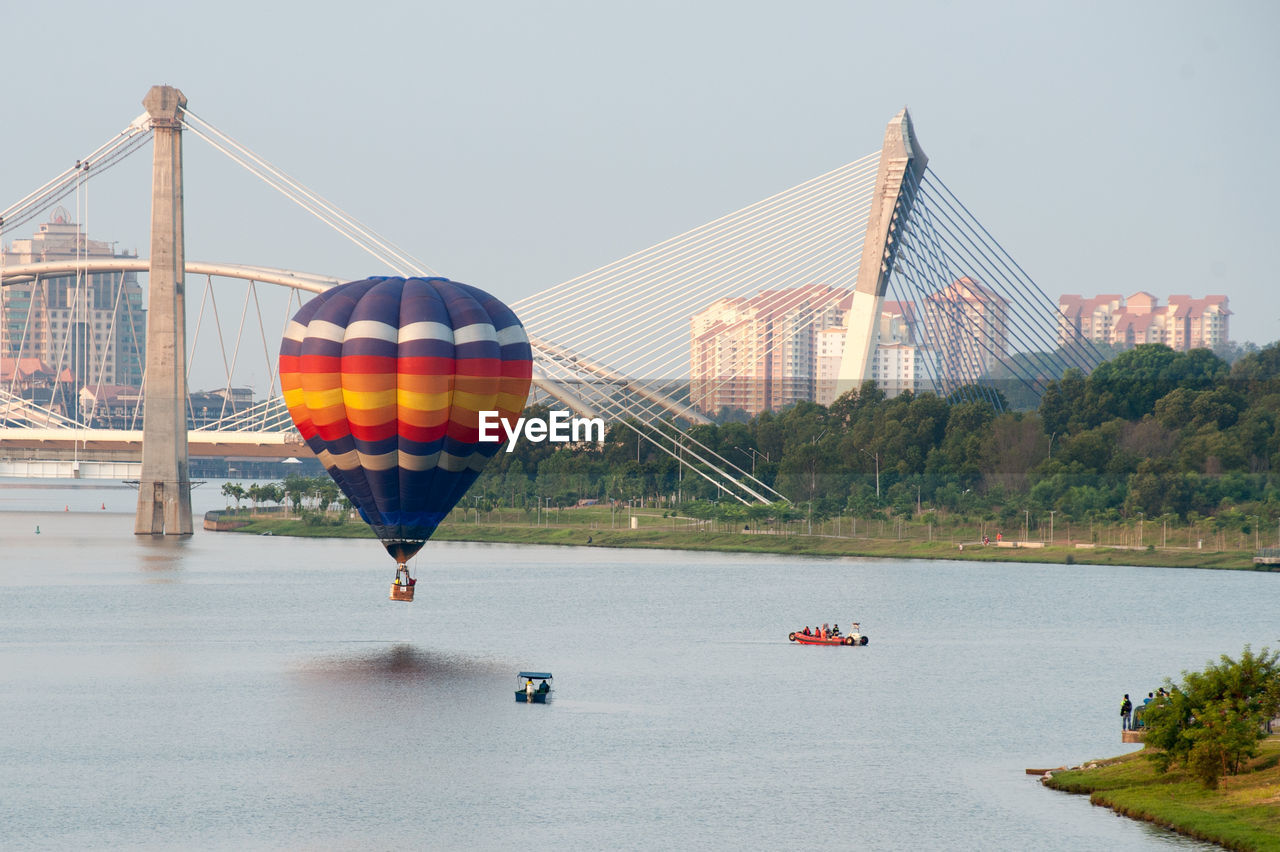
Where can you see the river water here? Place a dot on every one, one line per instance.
(233, 691)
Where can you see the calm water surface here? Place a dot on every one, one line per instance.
(231, 691)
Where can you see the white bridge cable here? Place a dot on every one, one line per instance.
(18, 410)
(109, 345)
(677, 330)
(1019, 318)
(1027, 335)
(958, 335)
(618, 412)
(661, 251)
(676, 248)
(647, 409)
(267, 415)
(596, 392)
(688, 249)
(680, 257)
(329, 213)
(793, 290)
(1036, 332)
(953, 252)
(1001, 264)
(951, 340)
(673, 248)
(98, 162)
(775, 260)
(266, 347)
(955, 368)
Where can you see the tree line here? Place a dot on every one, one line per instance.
(1152, 433)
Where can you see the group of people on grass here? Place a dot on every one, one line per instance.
(1131, 716)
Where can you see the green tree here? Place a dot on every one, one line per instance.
(234, 491)
(1214, 720)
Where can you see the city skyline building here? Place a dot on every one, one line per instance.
(1184, 323)
(897, 364)
(765, 352)
(86, 329)
(967, 323)
(759, 353)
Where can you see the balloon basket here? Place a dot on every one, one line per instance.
(401, 593)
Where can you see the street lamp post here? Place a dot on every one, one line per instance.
(1026, 525)
(876, 457)
(1051, 514)
(751, 453)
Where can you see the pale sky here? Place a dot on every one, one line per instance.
(1110, 147)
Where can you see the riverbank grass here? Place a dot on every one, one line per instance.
(597, 528)
(1243, 813)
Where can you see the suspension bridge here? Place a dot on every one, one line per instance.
(877, 251)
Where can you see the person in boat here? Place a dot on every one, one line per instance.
(835, 630)
(528, 689)
(807, 631)
(544, 687)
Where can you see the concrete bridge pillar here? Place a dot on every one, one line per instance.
(164, 490)
(890, 206)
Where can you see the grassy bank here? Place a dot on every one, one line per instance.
(1244, 813)
(656, 531)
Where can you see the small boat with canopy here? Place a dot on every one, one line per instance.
(533, 687)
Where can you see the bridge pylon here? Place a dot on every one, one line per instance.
(890, 206)
(164, 490)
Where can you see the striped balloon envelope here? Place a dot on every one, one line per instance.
(385, 379)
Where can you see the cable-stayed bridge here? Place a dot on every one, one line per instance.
(617, 342)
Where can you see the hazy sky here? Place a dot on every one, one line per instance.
(1110, 147)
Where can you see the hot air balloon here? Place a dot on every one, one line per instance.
(385, 379)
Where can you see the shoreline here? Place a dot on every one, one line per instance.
(1241, 814)
(766, 542)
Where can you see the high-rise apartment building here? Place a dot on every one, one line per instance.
(898, 363)
(1185, 323)
(88, 329)
(783, 346)
(968, 324)
(760, 353)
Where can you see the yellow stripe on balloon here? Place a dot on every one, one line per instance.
(369, 400)
(327, 398)
(430, 401)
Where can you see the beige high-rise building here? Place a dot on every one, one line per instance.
(968, 325)
(897, 363)
(1185, 323)
(89, 329)
(760, 353)
(782, 346)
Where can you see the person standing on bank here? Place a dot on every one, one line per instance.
(1126, 713)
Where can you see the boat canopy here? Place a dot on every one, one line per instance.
(536, 675)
